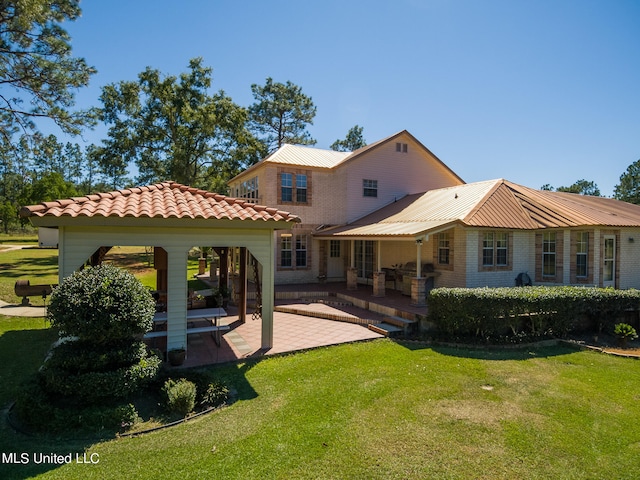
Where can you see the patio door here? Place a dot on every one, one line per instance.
(609, 261)
(364, 253)
(335, 262)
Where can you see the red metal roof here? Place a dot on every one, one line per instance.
(489, 204)
(161, 200)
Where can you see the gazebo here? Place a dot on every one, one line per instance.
(172, 217)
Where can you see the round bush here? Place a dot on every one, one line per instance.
(180, 396)
(101, 304)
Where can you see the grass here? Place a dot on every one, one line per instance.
(390, 410)
(40, 266)
(376, 410)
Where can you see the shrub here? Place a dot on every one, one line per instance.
(101, 304)
(534, 311)
(41, 412)
(82, 356)
(180, 396)
(214, 395)
(625, 332)
(90, 387)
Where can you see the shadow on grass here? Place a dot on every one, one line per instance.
(21, 354)
(548, 348)
(35, 267)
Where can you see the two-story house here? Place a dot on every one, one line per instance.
(394, 207)
(326, 188)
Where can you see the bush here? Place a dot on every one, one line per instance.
(41, 412)
(625, 332)
(82, 356)
(180, 396)
(534, 311)
(214, 395)
(101, 304)
(91, 387)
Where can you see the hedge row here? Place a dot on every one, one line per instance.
(536, 311)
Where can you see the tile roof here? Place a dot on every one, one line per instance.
(489, 204)
(161, 200)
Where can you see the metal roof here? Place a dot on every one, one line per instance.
(489, 204)
(306, 156)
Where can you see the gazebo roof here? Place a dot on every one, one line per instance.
(161, 200)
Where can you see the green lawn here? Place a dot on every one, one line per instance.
(385, 410)
(376, 410)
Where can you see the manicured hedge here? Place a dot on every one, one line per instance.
(535, 311)
(92, 387)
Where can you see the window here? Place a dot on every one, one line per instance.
(301, 188)
(286, 187)
(285, 250)
(582, 250)
(502, 243)
(495, 249)
(334, 249)
(301, 251)
(401, 147)
(487, 249)
(443, 249)
(370, 188)
(549, 254)
(248, 189)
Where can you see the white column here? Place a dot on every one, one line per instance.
(268, 295)
(176, 297)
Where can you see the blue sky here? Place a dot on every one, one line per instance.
(544, 91)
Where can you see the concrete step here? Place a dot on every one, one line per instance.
(386, 329)
(331, 301)
(406, 325)
(311, 311)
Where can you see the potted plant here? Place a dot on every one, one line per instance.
(176, 356)
(624, 332)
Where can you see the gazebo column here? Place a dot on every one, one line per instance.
(268, 295)
(176, 297)
(242, 300)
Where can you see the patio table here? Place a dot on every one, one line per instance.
(210, 314)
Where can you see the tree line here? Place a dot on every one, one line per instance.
(168, 127)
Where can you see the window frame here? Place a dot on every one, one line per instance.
(444, 248)
(286, 187)
(582, 254)
(369, 188)
(301, 244)
(301, 178)
(549, 254)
